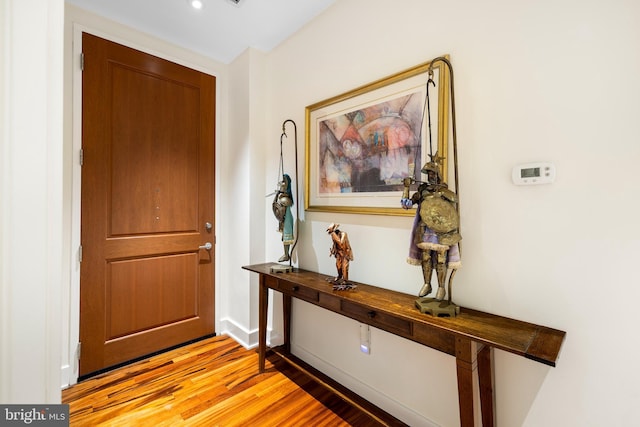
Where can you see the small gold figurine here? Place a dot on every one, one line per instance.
(434, 237)
(341, 249)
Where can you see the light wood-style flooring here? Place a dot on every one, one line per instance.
(215, 382)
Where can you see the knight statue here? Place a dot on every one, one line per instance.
(435, 233)
(282, 202)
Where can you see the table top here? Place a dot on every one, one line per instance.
(529, 340)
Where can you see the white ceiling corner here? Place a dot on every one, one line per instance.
(221, 30)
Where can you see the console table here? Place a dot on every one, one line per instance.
(469, 337)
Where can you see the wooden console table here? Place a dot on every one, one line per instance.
(470, 336)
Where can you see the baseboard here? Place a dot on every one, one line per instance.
(248, 338)
(65, 376)
(388, 404)
(379, 416)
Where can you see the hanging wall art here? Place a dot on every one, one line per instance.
(361, 144)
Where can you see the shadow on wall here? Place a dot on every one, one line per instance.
(307, 242)
(515, 398)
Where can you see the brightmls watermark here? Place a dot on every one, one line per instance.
(34, 415)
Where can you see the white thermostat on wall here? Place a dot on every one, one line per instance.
(534, 173)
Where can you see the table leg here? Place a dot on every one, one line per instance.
(485, 377)
(286, 314)
(465, 360)
(263, 302)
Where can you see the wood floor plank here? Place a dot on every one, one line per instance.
(214, 382)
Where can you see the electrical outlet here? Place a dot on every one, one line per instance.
(365, 338)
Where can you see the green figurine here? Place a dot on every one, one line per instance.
(281, 205)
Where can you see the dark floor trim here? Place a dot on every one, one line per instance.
(146, 356)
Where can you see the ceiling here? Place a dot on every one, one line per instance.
(220, 30)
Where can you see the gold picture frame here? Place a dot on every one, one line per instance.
(362, 143)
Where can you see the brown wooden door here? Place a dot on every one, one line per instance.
(147, 196)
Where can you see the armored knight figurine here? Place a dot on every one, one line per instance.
(282, 202)
(436, 229)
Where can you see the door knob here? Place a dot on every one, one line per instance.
(207, 246)
(208, 226)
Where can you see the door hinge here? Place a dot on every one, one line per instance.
(78, 350)
(81, 157)
(80, 253)
(82, 61)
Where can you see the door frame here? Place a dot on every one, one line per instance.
(70, 365)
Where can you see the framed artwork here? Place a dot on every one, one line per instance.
(360, 145)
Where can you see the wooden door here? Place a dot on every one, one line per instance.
(147, 205)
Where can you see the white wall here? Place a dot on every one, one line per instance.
(535, 81)
(30, 199)
(241, 209)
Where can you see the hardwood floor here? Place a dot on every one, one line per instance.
(215, 382)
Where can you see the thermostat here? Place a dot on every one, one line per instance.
(534, 173)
